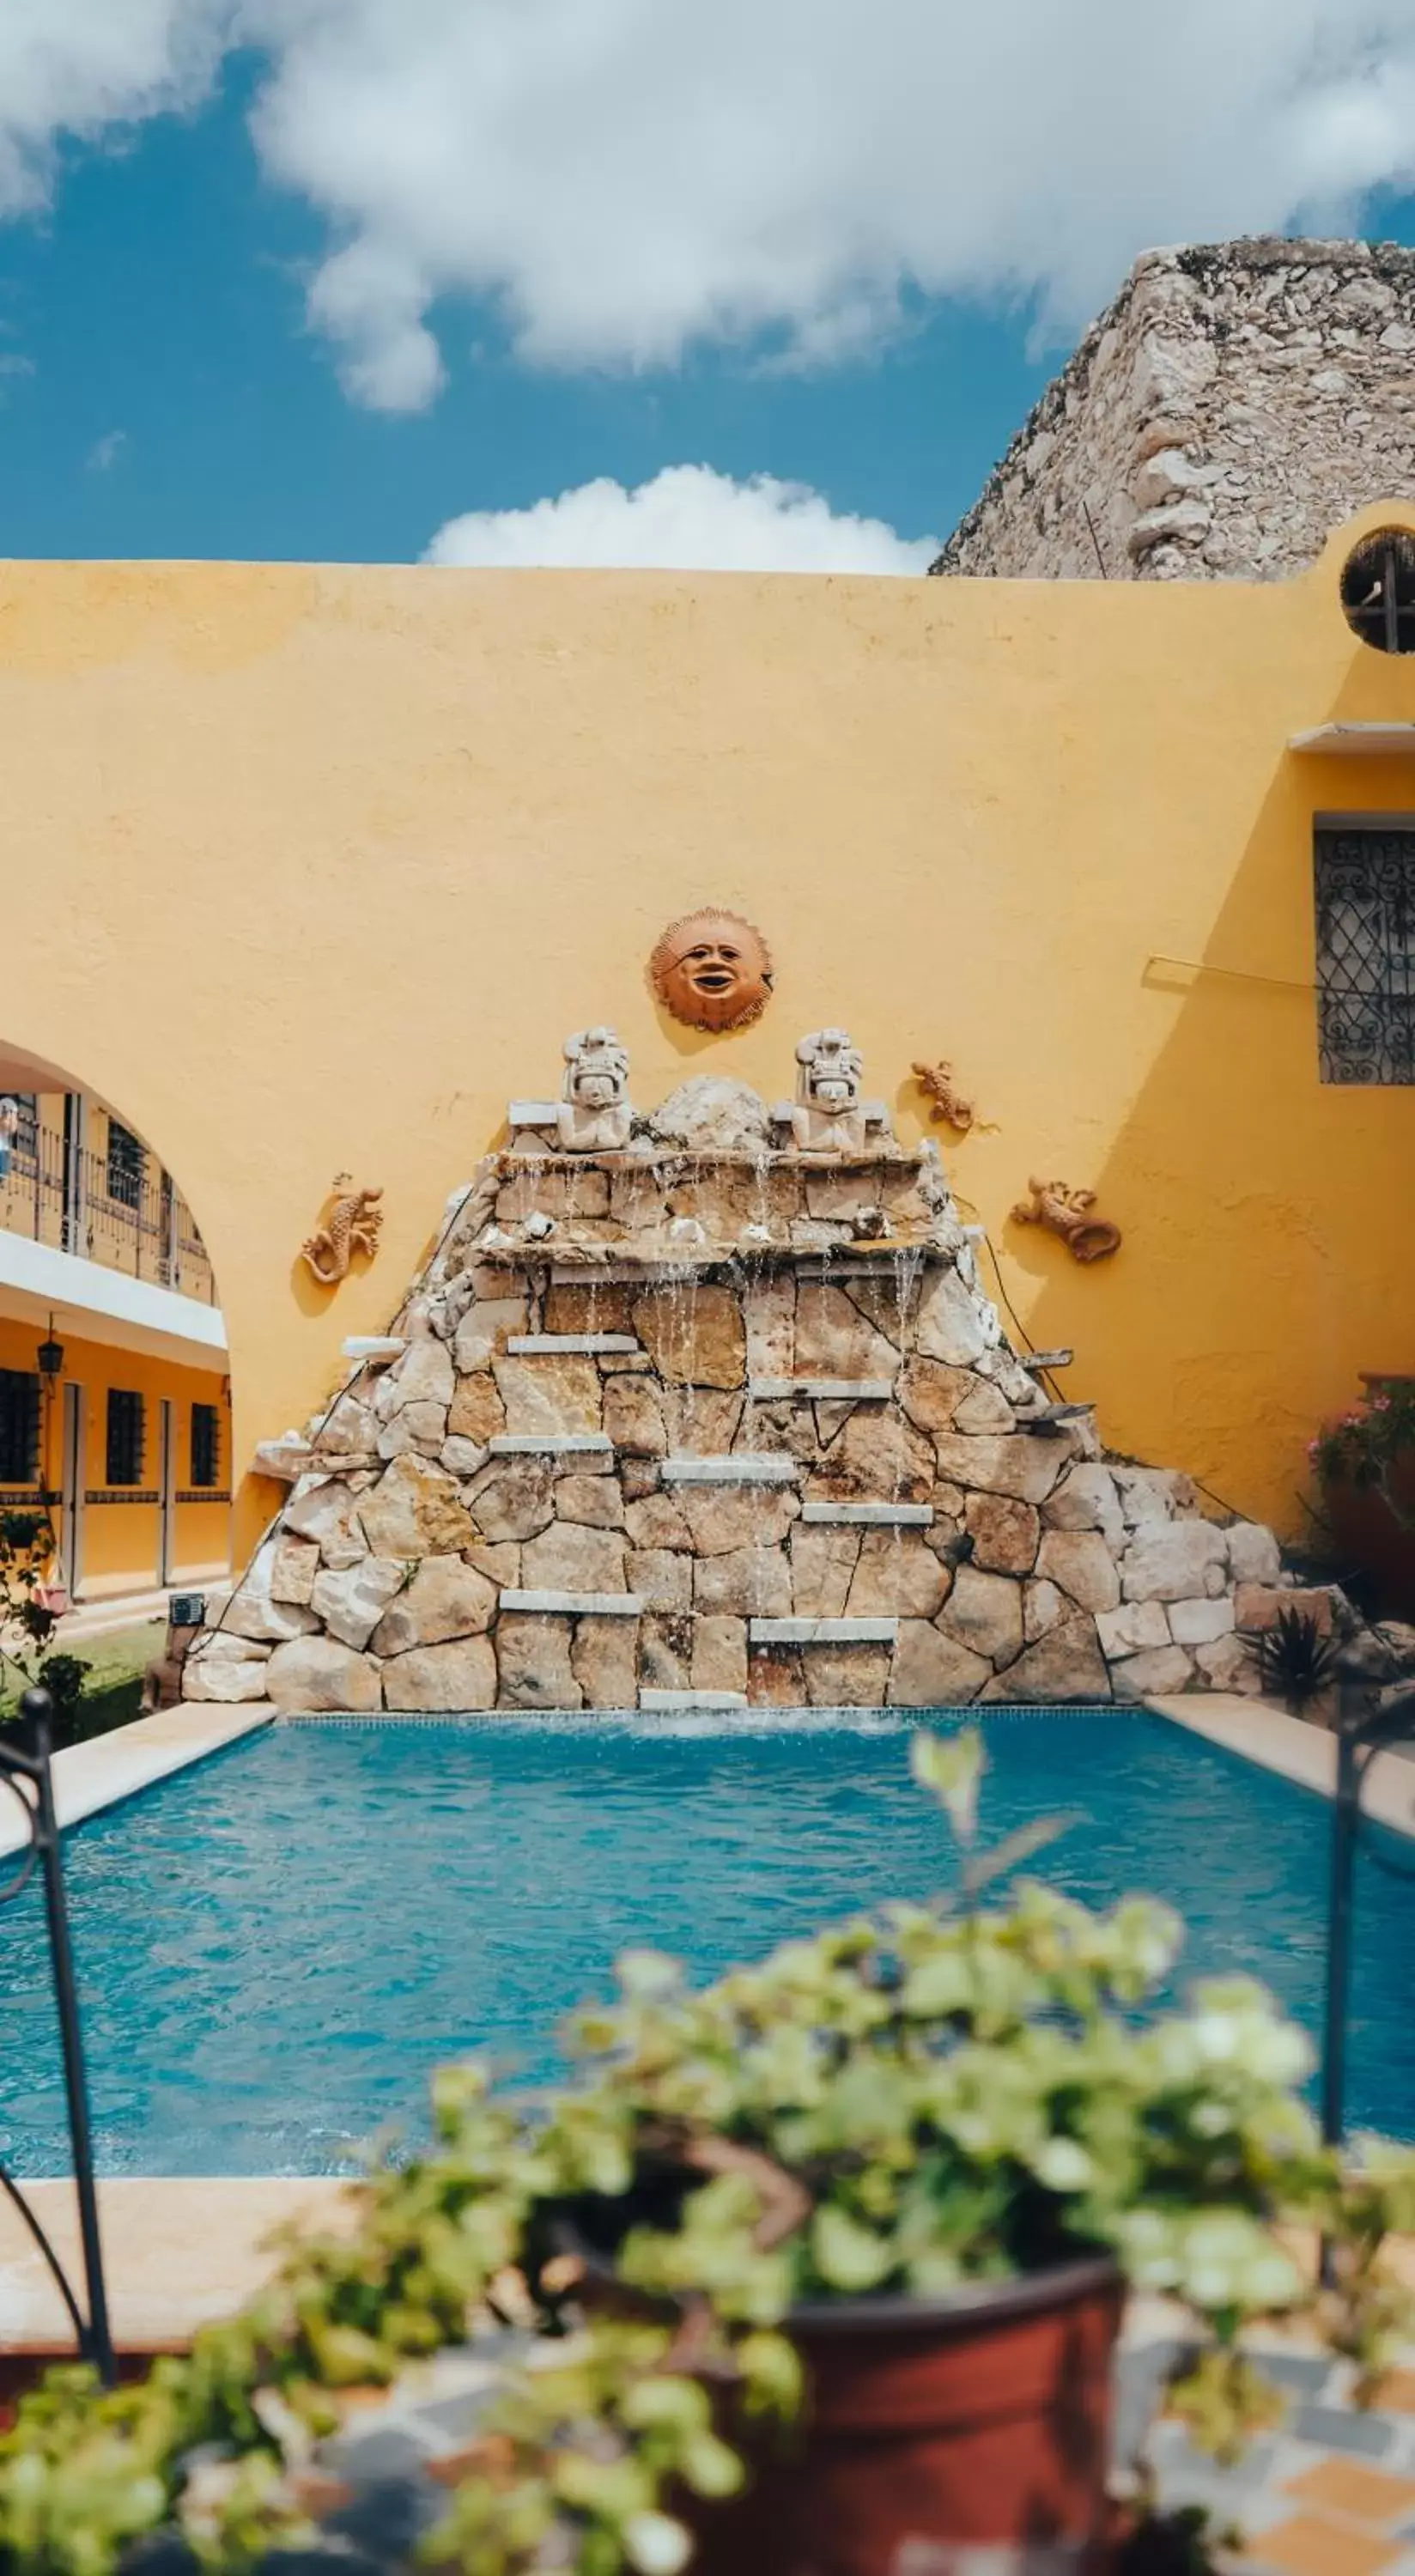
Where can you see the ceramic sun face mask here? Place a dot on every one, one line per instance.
(712, 970)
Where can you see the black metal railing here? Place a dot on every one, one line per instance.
(26, 1770)
(123, 1216)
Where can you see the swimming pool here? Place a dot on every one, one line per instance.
(277, 1946)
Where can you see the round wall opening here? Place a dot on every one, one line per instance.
(1378, 590)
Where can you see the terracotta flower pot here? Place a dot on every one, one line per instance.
(1367, 1536)
(936, 2428)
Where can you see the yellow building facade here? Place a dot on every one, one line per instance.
(114, 1418)
(323, 864)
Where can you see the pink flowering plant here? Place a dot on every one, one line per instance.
(1362, 1448)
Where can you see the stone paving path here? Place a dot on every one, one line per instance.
(1331, 2493)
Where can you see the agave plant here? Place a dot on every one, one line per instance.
(1296, 1659)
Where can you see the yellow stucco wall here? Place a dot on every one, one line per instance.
(318, 865)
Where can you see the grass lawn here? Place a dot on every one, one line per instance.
(114, 1685)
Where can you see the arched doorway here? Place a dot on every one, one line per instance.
(114, 1387)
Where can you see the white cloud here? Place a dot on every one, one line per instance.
(80, 67)
(105, 451)
(633, 177)
(687, 519)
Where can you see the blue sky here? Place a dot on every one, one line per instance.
(201, 353)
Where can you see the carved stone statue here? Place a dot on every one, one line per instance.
(828, 1115)
(353, 1226)
(712, 970)
(595, 1115)
(1067, 1212)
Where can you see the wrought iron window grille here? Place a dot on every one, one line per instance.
(19, 1426)
(1365, 895)
(124, 1442)
(1378, 590)
(26, 1771)
(206, 1445)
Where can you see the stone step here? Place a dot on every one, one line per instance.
(375, 1346)
(1038, 1360)
(549, 1444)
(528, 1346)
(871, 1515)
(833, 1390)
(576, 1605)
(670, 1703)
(768, 1469)
(823, 1632)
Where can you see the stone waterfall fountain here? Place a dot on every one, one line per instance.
(708, 1409)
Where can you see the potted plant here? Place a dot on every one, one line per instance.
(1365, 1465)
(825, 2263)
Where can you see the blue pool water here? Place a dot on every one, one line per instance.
(277, 1946)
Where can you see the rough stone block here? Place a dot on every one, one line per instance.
(293, 1568)
(769, 1315)
(656, 1520)
(930, 1670)
(834, 1340)
(1227, 1665)
(1065, 1665)
(1020, 1466)
(229, 1670)
(327, 1512)
(700, 1421)
(899, 1574)
(878, 1457)
(581, 1305)
(633, 1417)
(953, 1322)
(720, 1654)
(749, 1581)
(695, 1335)
(351, 1604)
(931, 1392)
(498, 1559)
(1150, 1494)
(1081, 1563)
(254, 1612)
(721, 1518)
(533, 1663)
(416, 1510)
(604, 1661)
(595, 1500)
(1136, 1628)
(1086, 1498)
(665, 1650)
(462, 1459)
(662, 1579)
(421, 1427)
(460, 1674)
(1253, 1553)
(317, 1673)
(445, 1599)
(513, 1498)
(1175, 1561)
(984, 1613)
(1257, 1605)
(476, 1411)
(822, 1564)
(571, 1557)
(776, 1677)
(1198, 1623)
(486, 1329)
(422, 1376)
(846, 1676)
(559, 1396)
(1043, 1607)
(1150, 1676)
(1005, 1533)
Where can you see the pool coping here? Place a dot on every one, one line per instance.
(1299, 1751)
(90, 1777)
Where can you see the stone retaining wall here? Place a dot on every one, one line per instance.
(1234, 405)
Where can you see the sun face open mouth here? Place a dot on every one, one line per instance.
(708, 981)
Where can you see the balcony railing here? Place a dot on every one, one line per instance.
(124, 1219)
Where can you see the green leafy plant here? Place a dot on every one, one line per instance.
(926, 2095)
(26, 1621)
(1363, 1447)
(1296, 1659)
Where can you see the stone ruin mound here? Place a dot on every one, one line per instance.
(711, 1411)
